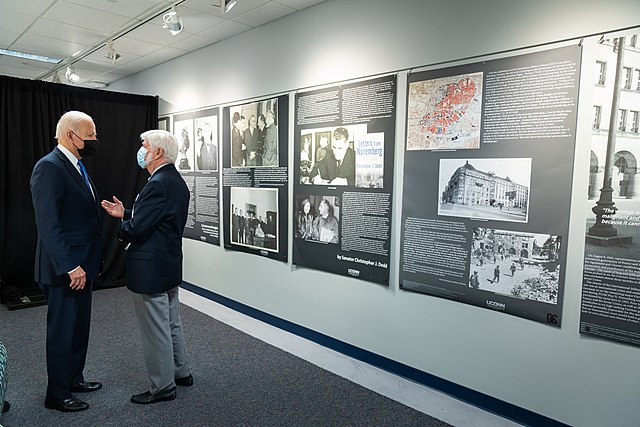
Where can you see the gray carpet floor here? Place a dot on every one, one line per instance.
(239, 380)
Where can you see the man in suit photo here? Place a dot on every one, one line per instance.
(68, 256)
(153, 229)
(338, 167)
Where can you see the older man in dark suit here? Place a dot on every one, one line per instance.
(153, 229)
(68, 256)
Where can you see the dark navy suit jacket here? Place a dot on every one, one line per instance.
(68, 221)
(154, 227)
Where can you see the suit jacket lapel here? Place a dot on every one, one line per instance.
(77, 177)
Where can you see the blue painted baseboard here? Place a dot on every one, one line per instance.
(465, 394)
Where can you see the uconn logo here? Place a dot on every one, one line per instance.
(353, 272)
(496, 305)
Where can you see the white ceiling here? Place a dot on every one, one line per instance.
(62, 28)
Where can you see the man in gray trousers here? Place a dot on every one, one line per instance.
(153, 229)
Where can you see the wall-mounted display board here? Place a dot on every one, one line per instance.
(197, 161)
(343, 178)
(255, 177)
(487, 182)
(611, 277)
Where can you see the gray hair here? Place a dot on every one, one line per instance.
(71, 120)
(162, 139)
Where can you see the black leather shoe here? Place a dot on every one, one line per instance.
(185, 381)
(5, 406)
(146, 397)
(85, 387)
(67, 405)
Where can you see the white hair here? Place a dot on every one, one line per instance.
(162, 139)
(70, 121)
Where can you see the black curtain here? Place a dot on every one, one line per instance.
(29, 112)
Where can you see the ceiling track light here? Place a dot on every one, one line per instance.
(228, 5)
(56, 78)
(111, 52)
(71, 75)
(173, 22)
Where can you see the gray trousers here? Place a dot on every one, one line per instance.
(163, 347)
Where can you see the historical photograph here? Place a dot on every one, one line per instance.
(517, 264)
(183, 131)
(317, 218)
(254, 217)
(445, 113)
(342, 156)
(254, 134)
(206, 129)
(496, 189)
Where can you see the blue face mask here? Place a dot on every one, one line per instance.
(142, 153)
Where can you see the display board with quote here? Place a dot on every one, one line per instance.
(197, 161)
(487, 182)
(255, 177)
(343, 178)
(610, 306)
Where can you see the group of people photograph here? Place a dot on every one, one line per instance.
(254, 134)
(317, 218)
(254, 217)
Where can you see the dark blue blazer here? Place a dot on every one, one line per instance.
(68, 221)
(154, 227)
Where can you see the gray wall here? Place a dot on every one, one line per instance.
(554, 372)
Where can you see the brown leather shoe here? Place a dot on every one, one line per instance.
(67, 405)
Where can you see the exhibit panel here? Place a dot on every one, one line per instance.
(485, 205)
(610, 303)
(344, 140)
(255, 177)
(197, 161)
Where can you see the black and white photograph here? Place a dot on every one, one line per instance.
(342, 156)
(254, 134)
(183, 131)
(206, 130)
(317, 218)
(164, 123)
(254, 217)
(495, 189)
(520, 265)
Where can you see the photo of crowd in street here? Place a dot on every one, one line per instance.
(495, 188)
(317, 218)
(254, 217)
(254, 134)
(342, 156)
(206, 143)
(183, 131)
(516, 264)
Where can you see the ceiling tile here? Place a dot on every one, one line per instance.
(225, 30)
(263, 14)
(12, 24)
(31, 7)
(86, 17)
(193, 42)
(55, 31)
(128, 8)
(207, 6)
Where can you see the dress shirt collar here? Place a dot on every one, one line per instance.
(73, 159)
